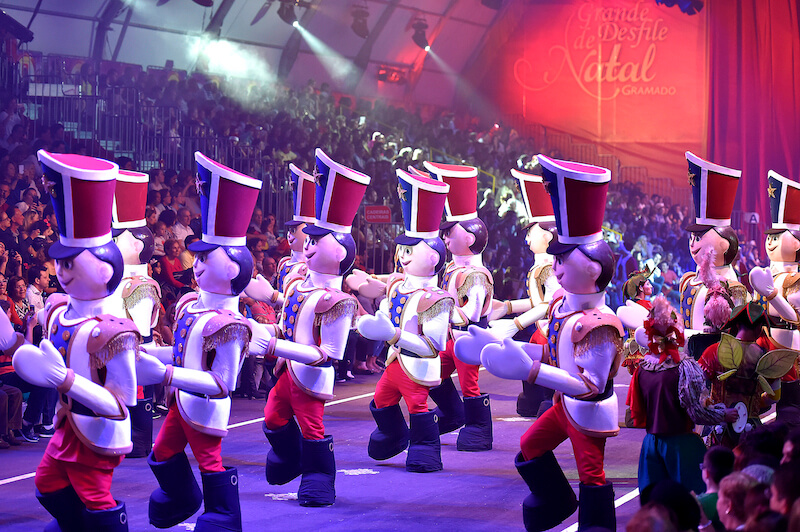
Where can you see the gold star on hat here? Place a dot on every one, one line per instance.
(316, 175)
(401, 192)
(691, 179)
(771, 190)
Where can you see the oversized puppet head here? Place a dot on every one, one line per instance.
(330, 248)
(420, 251)
(222, 263)
(303, 192)
(128, 225)
(88, 264)
(713, 194)
(541, 227)
(584, 262)
(783, 238)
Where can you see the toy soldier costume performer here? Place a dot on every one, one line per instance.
(413, 319)
(583, 350)
(471, 285)
(211, 340)
(88, 354)
(138, 295)
(312, 333)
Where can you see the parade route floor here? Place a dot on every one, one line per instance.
(476, 491)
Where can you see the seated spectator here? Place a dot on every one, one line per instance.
(717, 464)
(181, 230)
(17, 292)
(187, 256)
(170, 262)
(38, 280)
(785, 489)
(10, 415)
(731, 500)
(159, 238)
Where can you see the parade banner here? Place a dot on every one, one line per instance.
(629, 75)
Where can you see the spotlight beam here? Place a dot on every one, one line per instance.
(338, 67)
(292, 47)
(416, 67)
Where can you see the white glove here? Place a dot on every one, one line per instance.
(632, 315)
(162, 352)
(259, 341)
(501, 329)
(641, 337)
(260, 289)
(378, 327)
(762, 282)
(42, 366)
(149, 370)
(356, 277)
(468, 347)
(510, 360)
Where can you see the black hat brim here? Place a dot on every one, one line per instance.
(446, 225)
(313, 230)
(199, 246)
(405, 240)
(60, 251)
(559, 248)
(699, 228)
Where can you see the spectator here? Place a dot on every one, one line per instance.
(181, 230)
(785, 489)
(38, 281)
(159, 239)
(731, 500)
(717, 464)
(170, 262)
(10, 415)
(187, 256)
(269, 231)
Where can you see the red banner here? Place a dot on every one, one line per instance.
(627, 74)
(377, 214)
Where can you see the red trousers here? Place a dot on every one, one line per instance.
(467, 373)
(175, 433)
(287, 399)
(394, 383)
(93, 485)
(552, 428)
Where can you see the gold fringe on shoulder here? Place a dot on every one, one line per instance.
(475, 279)
(345, 307)
(544, 274)
(142, 292)
(444, 305)
(122, 342)
(600, 335)
(231, 332)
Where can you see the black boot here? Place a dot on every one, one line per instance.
(425, 451)
(112, 520)
(178, 496)
(283, 459)
(66, 507)
(551, 499)
(449, 408)
(596, 507)
(391, 436)
(530, 399)
(141, 428)
(221, 500)
(477, 432)
(319, 473)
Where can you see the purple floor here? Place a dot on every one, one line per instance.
(476, 491)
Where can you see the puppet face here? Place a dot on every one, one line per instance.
(709, 239)
(418, 260)
(782, 247)
(458, 240)
(576, 273)
(214, 271)
(647, 289)
(538, 239)
(84, 276)
(324, 254)
(296, 237)
(129, 246)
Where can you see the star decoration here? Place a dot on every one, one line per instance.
(691, 179)
(49, 186)
(771, 190)
(291, 185)
(546, 185)
(317, 176)
(198, 185)
(516, 186)
(401, 192)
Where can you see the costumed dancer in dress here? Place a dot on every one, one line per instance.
(745, 370)
(138, 295)
(668, 396)
(584, 352)
(88, 355)
(413, 319)
(472, 287)
(541, 284)
(292, 266)
(211, 340)
(312, 333)
(779, 285)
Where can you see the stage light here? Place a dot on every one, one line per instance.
(295, 24)
(286, 12)
(204, 3)
(360, 13)
(420, 39)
